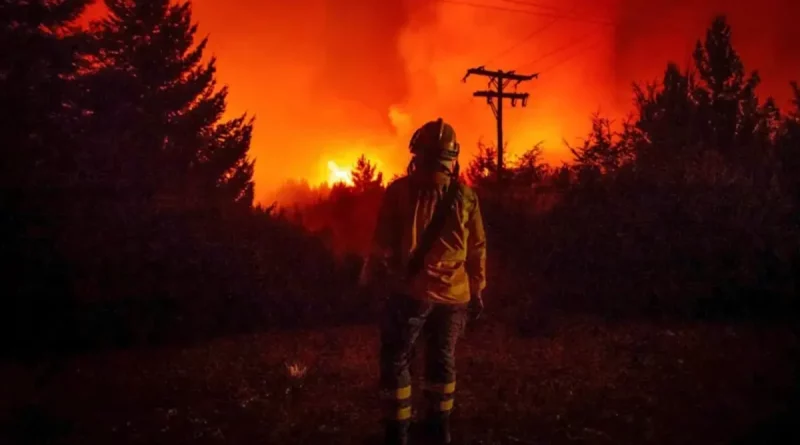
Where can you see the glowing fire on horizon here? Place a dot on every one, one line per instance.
(338, 174)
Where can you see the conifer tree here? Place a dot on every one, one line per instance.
(157, 111)
(667, 118)
(365, 175)
(40, 49)
(40, 46)
(788, 145)
(726, 96)
(712, 107)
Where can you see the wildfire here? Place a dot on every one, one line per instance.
(339, 174)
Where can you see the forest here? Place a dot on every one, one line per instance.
(130, 232)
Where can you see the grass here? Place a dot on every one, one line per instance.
(589, 382)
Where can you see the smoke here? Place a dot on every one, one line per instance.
(329, 80)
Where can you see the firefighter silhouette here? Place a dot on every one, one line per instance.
(430, 245)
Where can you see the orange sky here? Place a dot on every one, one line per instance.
(331, 79)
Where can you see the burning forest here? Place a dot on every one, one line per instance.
(216, 214)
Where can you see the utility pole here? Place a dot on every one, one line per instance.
(499, 81)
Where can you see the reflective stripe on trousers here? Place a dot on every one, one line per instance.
(397, 403)
(404, 320)
(440, 396)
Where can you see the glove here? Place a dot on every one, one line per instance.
(475, 306)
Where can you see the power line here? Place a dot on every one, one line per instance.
(530, 36)
(534, 4)
(637, 9)
(526, 11)
(564, 60)
(516, 45)
(556, 13)
(557, 50)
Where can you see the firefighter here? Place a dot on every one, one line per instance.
(429, 244)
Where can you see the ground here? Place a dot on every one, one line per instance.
(588, 382)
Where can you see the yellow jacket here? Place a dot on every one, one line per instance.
(455, 266)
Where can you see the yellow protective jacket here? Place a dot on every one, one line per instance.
(455, 266)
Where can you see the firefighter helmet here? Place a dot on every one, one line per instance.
(436, 140)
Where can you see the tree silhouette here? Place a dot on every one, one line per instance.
(40, 49)
(713, 107)
(686, 197)
(157, 112)
(726, 96)
(788, 145)
(529, 169)
(667, 119)
(604, 151)
(482, 169)
(365, 176)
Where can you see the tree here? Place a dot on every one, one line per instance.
(365, 176)
(788, 145)
(604, 151)
(41, 48)
(529, 169)
(712, 108)
(561, 177)
(667, 119)
(726, 97)
(482, 169)
(157, 111)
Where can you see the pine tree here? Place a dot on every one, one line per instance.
(668, 118)
(40, 53)
(40, 46)
(788, 146)
(711, 108)
(156, 107)
(365, 176)
(726, 97)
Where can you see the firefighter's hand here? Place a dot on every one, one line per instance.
(475, 306)
(372, 271)
(364, 275)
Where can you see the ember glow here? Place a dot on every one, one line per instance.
(360, 75)
(339, 174)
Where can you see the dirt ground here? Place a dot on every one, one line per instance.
(589, 382)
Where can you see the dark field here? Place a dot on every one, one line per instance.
(588, 382)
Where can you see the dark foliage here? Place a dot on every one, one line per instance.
(482, 170)
(130, 216)
(151, 100)
(130, 197)
(40, 60)
(689, 209)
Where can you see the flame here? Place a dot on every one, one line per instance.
(308, 68)
(339, 174)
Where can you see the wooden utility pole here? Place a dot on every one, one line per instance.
(498, 82)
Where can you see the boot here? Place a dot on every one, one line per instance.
(396, 433)
(437, 428)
